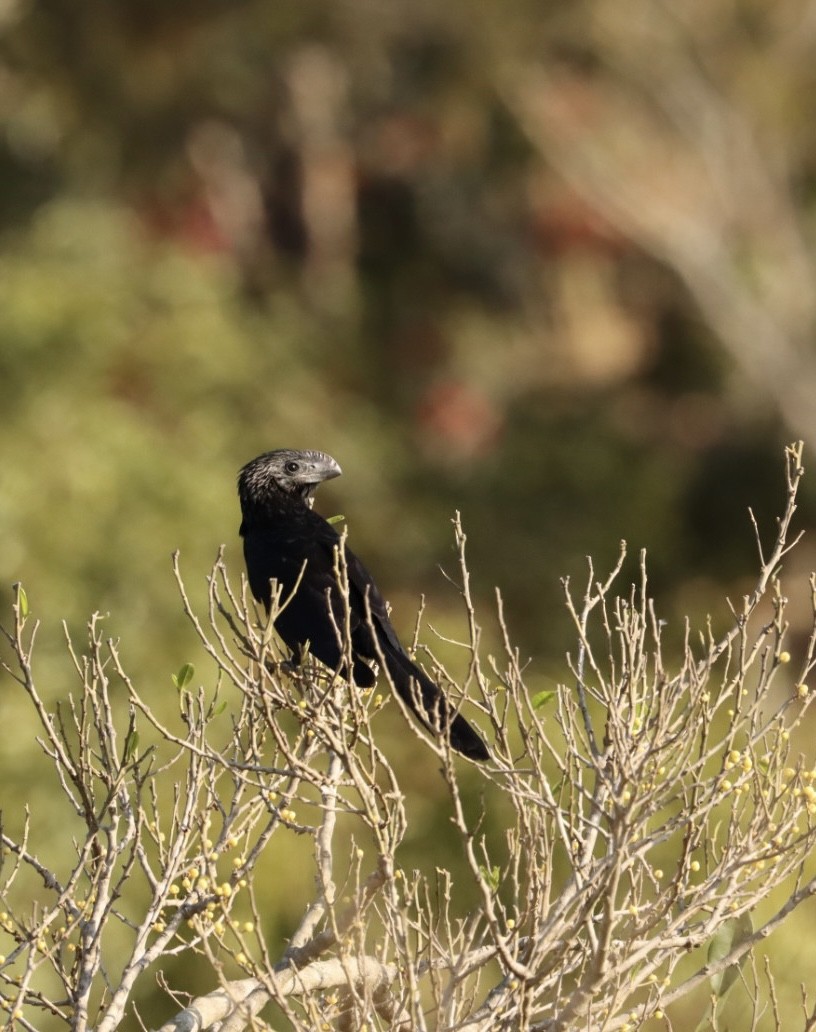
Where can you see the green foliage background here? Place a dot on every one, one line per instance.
(227, 227)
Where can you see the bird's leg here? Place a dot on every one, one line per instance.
(293, 666)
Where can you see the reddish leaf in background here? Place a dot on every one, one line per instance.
(463, 416)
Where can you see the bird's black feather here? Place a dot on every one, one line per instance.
(286, 541)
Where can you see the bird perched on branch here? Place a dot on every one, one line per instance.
(286, 541)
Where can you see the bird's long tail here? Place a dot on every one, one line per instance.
(427, 700)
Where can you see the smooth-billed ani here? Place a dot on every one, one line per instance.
(285, 541)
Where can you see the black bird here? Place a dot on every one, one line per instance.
(286, 541)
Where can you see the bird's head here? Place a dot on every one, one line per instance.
(295, 474)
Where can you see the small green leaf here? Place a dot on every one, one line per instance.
(335, 519)
(184, 676)
(22, 601)
(541, 699)
(217, 712)
(491, 876)
(131, 745)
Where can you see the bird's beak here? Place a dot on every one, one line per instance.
(320, 469)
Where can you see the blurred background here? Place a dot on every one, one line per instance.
(550, 265)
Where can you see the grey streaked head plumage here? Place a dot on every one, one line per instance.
(286, 471)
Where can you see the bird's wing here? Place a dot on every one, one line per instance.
(364, 595)
(300, 555)
(365, 598)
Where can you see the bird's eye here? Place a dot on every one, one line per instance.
(292, 467)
